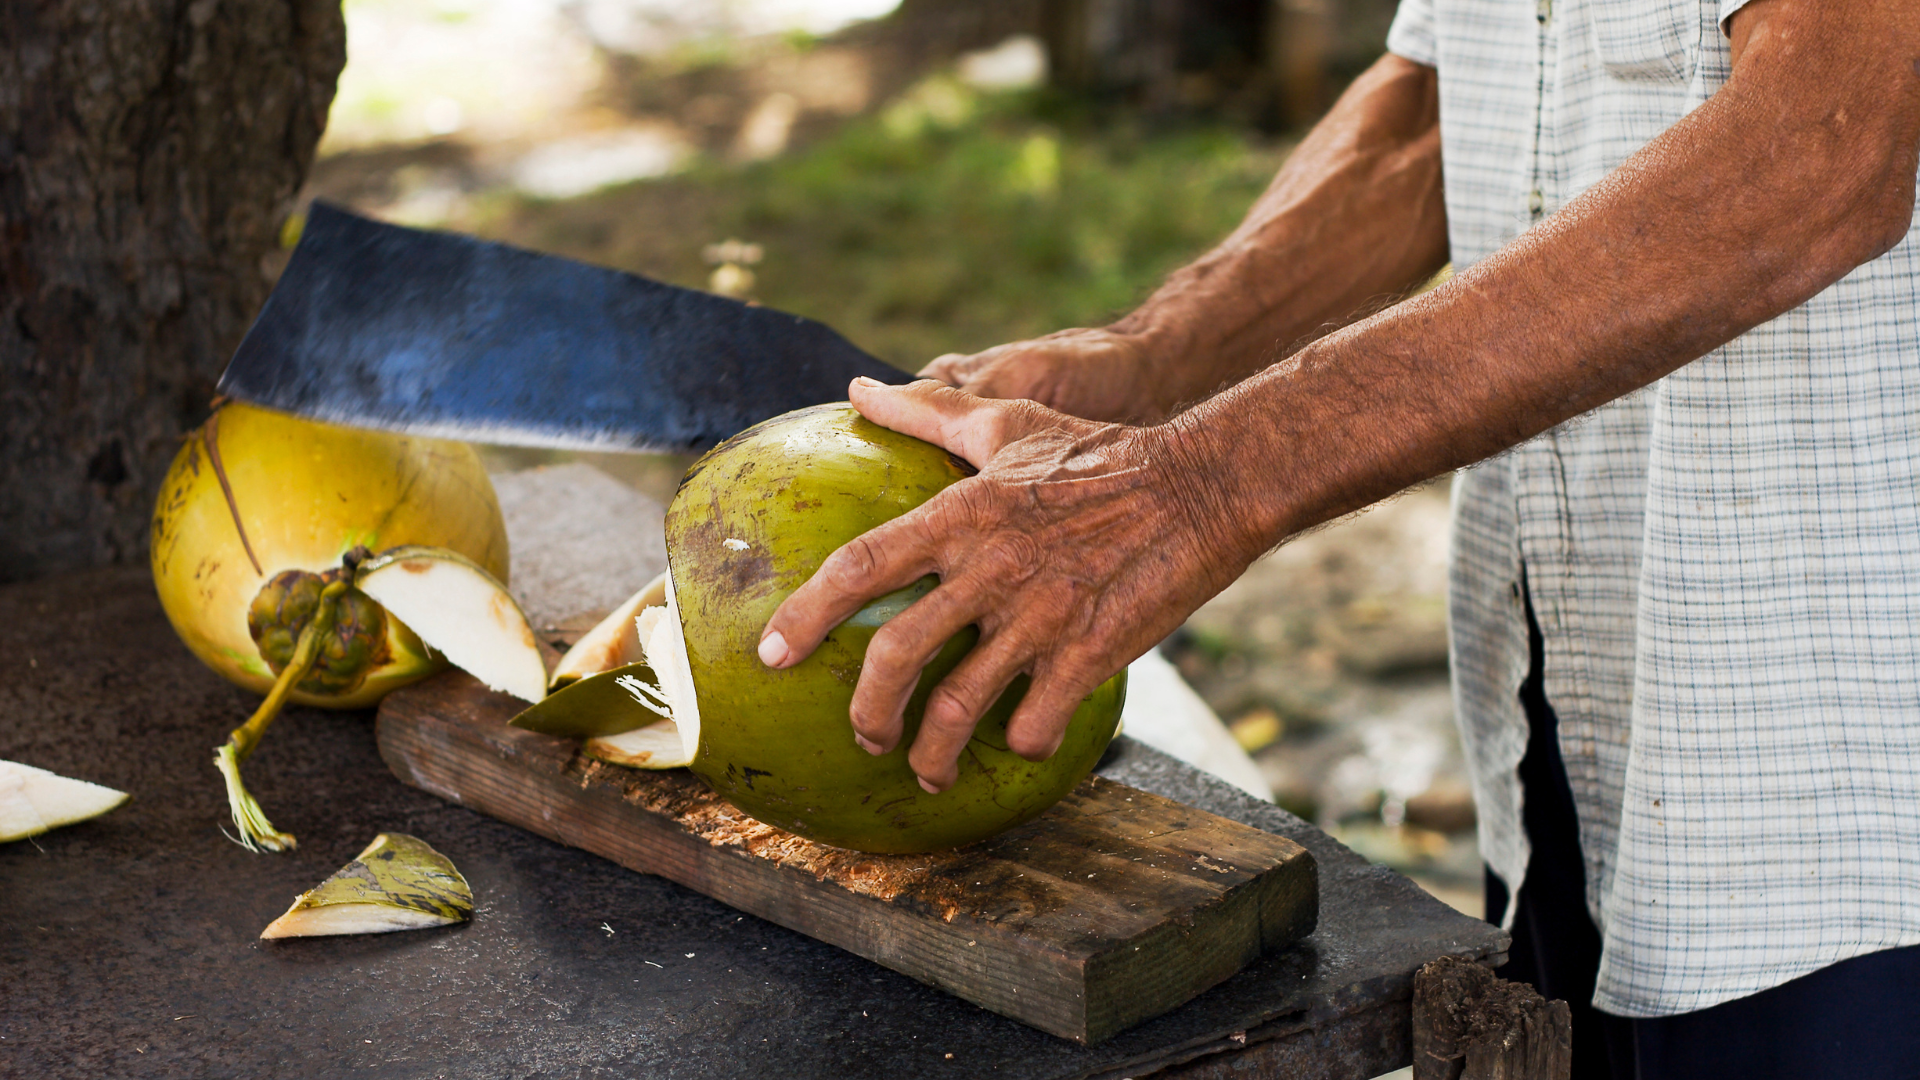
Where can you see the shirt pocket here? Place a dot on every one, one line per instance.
(1647, 40)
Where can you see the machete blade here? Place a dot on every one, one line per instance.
(434, 333)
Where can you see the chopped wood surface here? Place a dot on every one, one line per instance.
(1113, 907)
(1469, 1024)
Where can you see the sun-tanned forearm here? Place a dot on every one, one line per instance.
(1354, 220)
(1746, 208)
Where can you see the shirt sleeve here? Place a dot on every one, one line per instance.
(1411, 35)
(1727, 9)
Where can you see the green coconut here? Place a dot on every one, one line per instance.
(752, 521)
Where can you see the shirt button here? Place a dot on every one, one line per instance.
(1543, 10)
(1535, 202)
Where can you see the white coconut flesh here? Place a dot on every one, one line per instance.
(33, 801)
(460, 610)
(613, 642)
(672, 741)
(656, 746)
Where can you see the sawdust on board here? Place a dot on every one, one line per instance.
(711, 818)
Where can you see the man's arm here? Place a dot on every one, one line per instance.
(1354, 219)
(1801, 168)
(1080, 544)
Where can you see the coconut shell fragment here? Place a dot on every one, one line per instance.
(602, 704)
(397, 883)
(656, 746)
(459, 608)
(33, 801)
(613, 642)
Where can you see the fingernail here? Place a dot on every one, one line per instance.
(865, 381)
(931, 790)
(868, 745)
(773, 649)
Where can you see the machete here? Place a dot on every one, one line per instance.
(434, 333)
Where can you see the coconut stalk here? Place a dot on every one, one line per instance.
(256, 832)
(455, 606)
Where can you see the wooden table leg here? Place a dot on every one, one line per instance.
(1469, 1024)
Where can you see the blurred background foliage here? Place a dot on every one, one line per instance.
(936, 176)
(952, 221)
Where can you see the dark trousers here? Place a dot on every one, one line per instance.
(1856, 1020)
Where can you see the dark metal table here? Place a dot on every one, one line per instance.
(128, 944)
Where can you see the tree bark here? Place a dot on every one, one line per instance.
(1160, 55)
(149, 152)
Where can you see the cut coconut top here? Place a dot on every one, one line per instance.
(612, 642)
(656, 746)
(33, 801)
(461, 610)
(398, 883)
(643, 713)
(607, 703)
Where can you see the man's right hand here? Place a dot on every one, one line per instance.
(1093, 374)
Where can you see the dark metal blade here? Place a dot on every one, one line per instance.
(376, 325)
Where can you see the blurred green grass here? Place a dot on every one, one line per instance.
(946, 221)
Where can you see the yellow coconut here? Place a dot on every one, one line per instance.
(263, 553)
(255, 517)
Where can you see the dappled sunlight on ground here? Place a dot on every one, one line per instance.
(526, 70)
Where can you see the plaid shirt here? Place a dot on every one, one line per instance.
(1726, 564)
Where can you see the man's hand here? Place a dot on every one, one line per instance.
(1077, 547)
(1097, 374)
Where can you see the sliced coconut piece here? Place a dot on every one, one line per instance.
(397, 883)
(656, 746)
(33, 801)
(612, 642)
(666, 649)
(610, 703)
(459, 609)
(641, 714)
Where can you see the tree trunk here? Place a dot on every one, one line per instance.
(149, 152)
(1159, 55)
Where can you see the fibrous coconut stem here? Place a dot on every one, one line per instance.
(256, 832)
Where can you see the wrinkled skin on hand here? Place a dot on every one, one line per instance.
(1099, 374)
(1078, 546)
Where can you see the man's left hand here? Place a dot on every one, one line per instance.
(1078, 546)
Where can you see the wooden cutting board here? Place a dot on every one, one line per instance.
(1113, 907)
